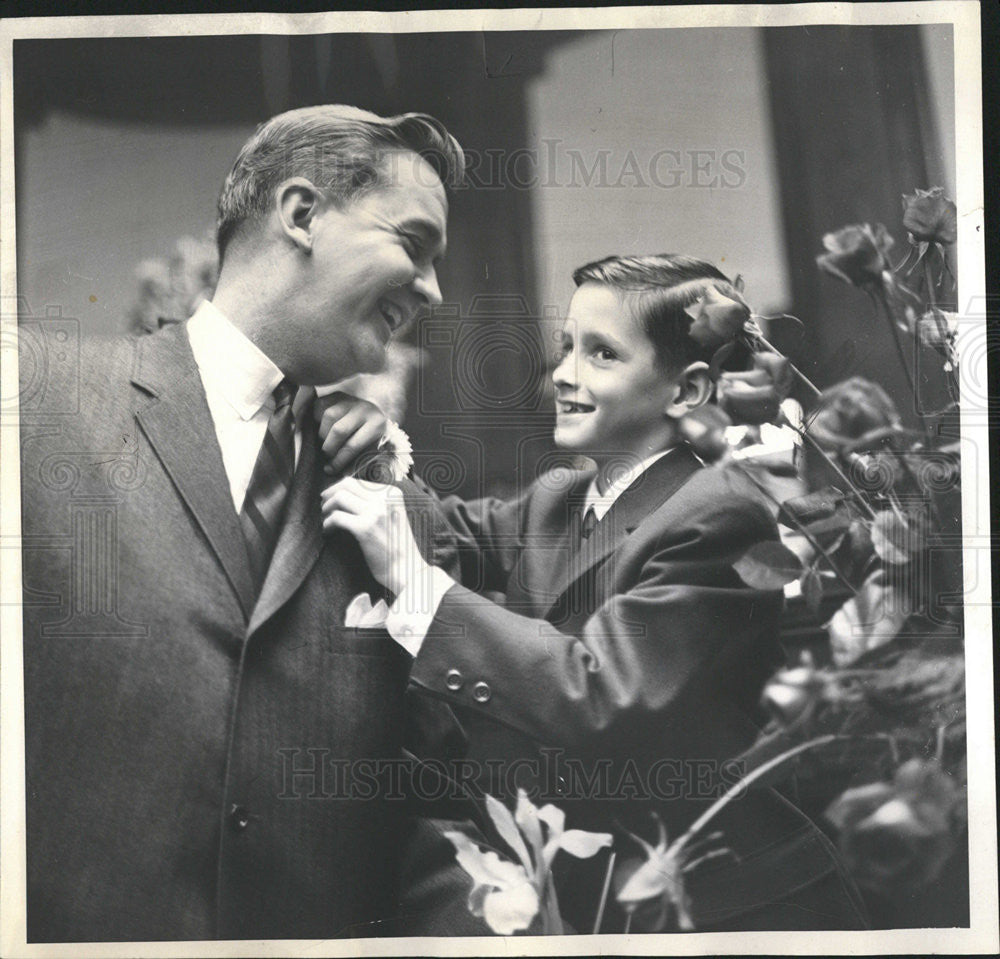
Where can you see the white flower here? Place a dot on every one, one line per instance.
(502, 892)
(391, 461)
(396, 444)
(510, 895)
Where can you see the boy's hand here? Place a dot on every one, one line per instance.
(375, 515)
(348, 427)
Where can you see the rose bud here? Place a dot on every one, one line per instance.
(850, 409)
(755, 397)
(937, 328)
(898, 835)
(792, 692)
(704, 430)
(856, 254)
(930, 216)
(717, 319)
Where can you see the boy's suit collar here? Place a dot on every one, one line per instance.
(650, 491)
(653, 487)
(602, 503)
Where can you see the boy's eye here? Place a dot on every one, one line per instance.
(605, 353)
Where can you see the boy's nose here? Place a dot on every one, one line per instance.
(565, 372)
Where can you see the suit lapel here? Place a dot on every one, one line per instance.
(177, 422)
(301, 537)
(542, 566)
(650, 491)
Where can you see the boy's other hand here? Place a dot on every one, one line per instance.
(348, 427)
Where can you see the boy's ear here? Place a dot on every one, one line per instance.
(693, 389)
(297, 203)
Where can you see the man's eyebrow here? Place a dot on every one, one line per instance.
(426, 227)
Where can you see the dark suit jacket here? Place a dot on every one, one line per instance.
(620, 675)
(642, 642)
(183, 744)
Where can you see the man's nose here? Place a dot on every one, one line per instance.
(426, 285)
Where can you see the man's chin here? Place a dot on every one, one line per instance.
(371, 362)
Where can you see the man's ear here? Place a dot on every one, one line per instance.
(693, 389)
(297, 205)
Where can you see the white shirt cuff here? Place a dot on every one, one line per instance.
(410, 616)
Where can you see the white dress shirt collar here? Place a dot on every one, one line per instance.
(602, 503)
(230, 364)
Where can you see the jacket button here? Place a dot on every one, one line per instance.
(454, 680)
(481, 693)
(239, 817)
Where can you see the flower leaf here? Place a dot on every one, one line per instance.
(812, 589)
(895, 540)
(503, 819)
(868, 620)
(582, 844)
(649, 881)
(553, 817)
(768, 565)
(484, 866)
(810, 508)
(526, 818)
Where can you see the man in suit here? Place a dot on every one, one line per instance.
(624, 665)
(191, 688)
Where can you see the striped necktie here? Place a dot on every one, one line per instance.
(264, 503)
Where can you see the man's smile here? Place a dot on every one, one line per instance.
(393, 314)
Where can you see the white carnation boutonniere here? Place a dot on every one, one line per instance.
(391, 461)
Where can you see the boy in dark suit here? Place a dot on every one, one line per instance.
(625, 663)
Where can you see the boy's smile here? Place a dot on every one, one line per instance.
(612, 392)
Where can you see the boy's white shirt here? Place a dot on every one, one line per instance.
(411, 614)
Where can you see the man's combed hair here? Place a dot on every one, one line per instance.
(342, 150)
(662, 287)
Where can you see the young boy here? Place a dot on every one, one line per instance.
(626, 661)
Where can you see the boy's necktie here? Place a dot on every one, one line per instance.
(588, 524)
(264, 503)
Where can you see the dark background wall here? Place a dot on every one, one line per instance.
(122, 143)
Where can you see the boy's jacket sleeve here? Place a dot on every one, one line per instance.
(659, 641)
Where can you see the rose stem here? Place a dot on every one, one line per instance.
(804, 433)
(604, 894)
(884, 299)
(952, 380)
(799, 526)
(805, 379)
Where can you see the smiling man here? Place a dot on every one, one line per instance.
(192, 681)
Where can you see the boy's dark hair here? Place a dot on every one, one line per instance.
(663, 286)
